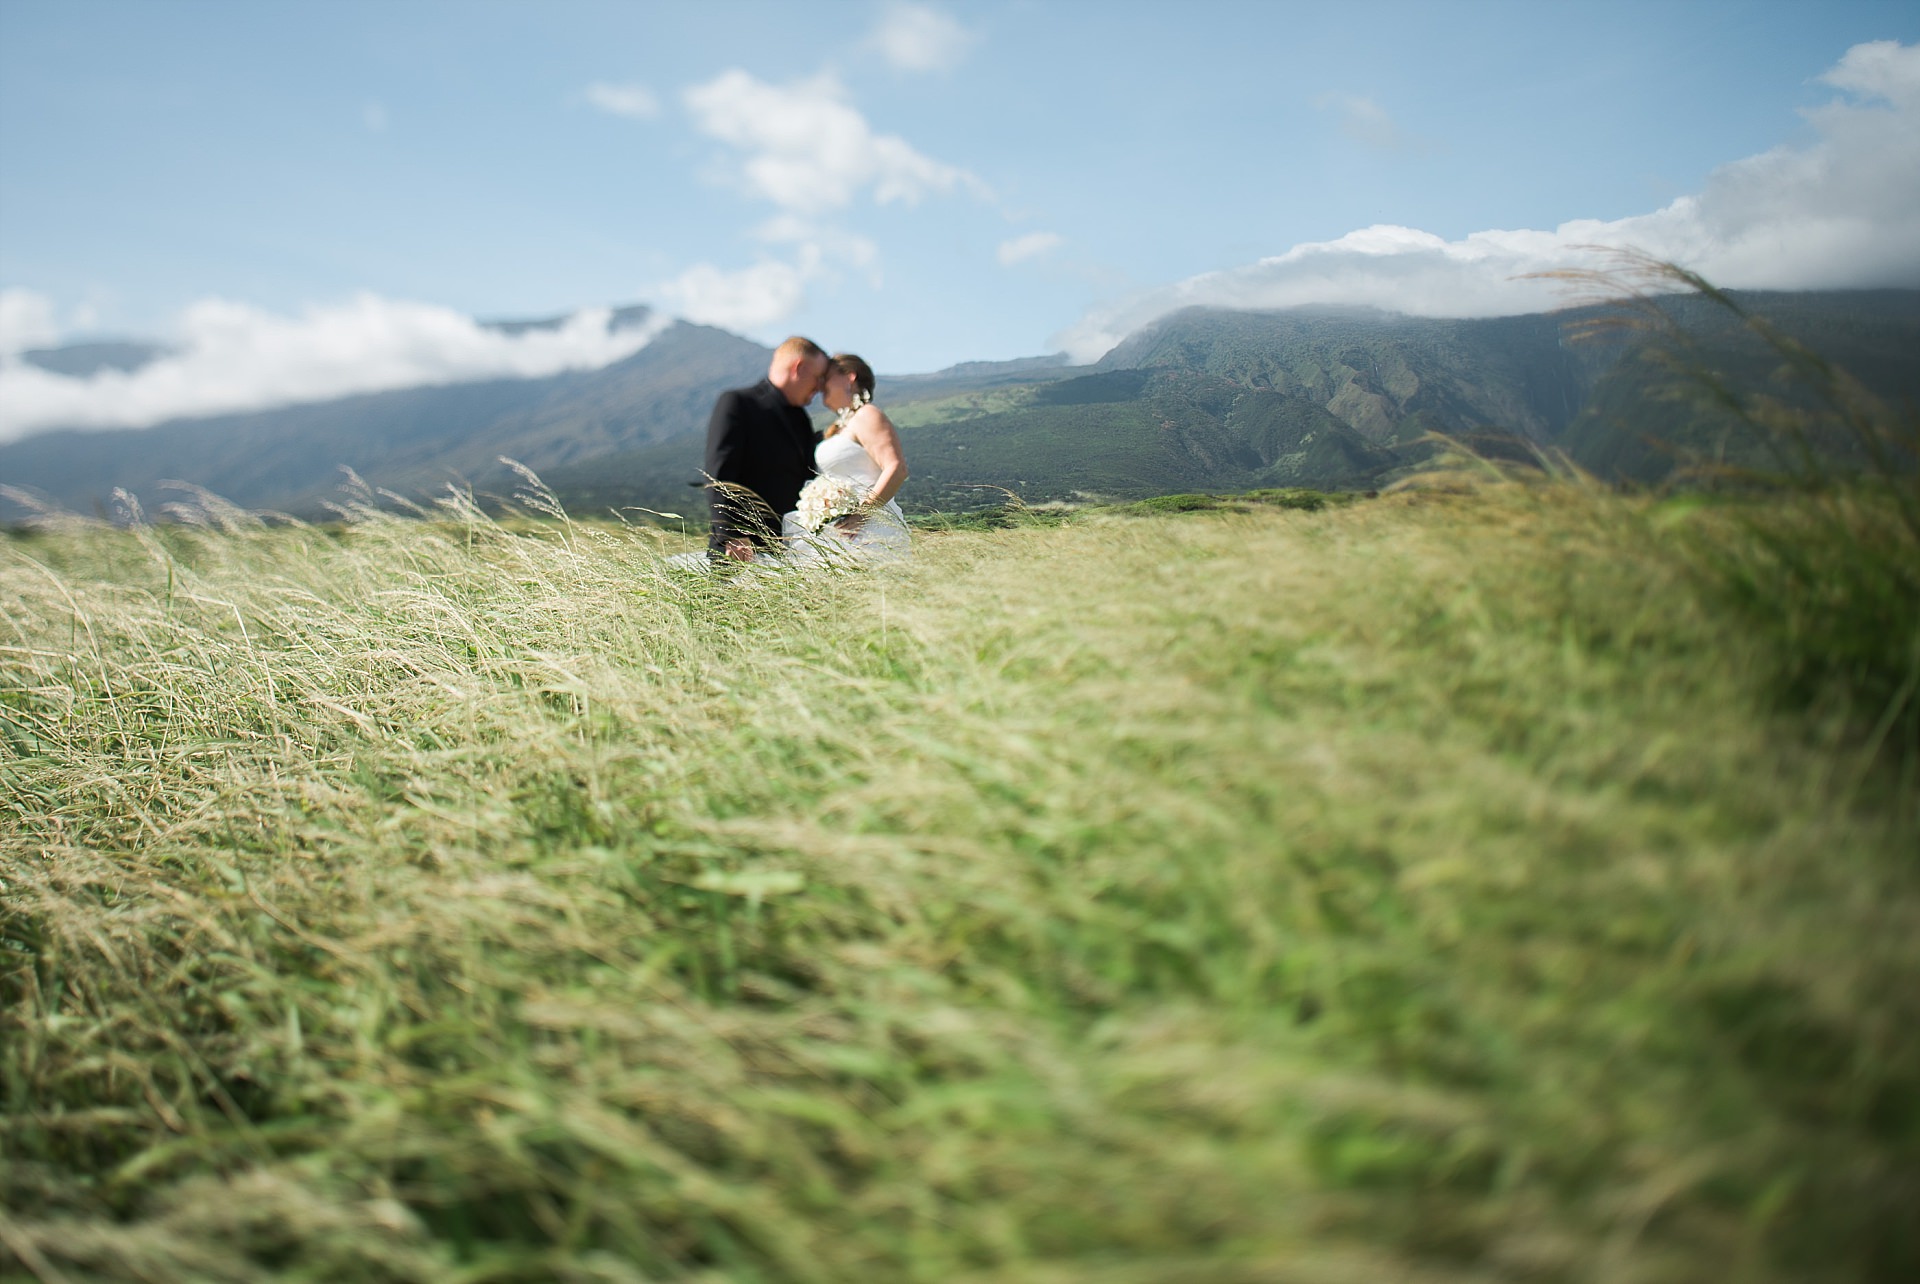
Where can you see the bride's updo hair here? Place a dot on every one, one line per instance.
(847, 363)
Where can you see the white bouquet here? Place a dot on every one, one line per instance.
(826, 499)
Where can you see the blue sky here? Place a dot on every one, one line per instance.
(925, 184)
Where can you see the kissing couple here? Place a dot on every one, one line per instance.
(779, 490)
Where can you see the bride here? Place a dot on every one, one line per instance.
(861, 467)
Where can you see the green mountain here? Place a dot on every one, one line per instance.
(1119, 433)
(1132, 432)
(1202, 400)
(1651, 411)
(1216, 400)
(1390, 378)
(414, 440)
(79, 360)
(1345, 398)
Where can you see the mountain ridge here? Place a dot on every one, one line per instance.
(291, 457)
(1201, 399)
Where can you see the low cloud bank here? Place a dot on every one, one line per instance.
(229, 357)
(1839, 213)
(27, 320)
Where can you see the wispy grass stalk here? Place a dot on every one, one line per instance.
(1410, 889)
(1821, 551)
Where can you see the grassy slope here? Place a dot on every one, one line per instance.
(1416, 889)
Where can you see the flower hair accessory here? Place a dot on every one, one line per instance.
(861, 397)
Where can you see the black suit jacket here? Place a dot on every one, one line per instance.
(756, 440)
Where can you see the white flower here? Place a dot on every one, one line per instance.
(825, 499)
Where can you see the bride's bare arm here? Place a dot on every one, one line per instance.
(878, 437)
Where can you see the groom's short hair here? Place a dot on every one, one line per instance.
(797, 347)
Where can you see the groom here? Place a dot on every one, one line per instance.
(760, 451)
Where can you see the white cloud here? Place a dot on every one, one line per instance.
(1841, 212)
(636, 102)
(1367, 122)
(231, 357)
(747, 299)
(753, 298)
(1021, 248)
(808, 150)
(26, 321)
(1883, 69)
(374, 116)
(821, 247)
(919, 37)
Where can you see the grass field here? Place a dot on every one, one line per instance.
(1429, 888)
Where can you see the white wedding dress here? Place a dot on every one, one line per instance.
(882, 537)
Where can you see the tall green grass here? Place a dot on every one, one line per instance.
(1418, 889)
(1822, 553)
